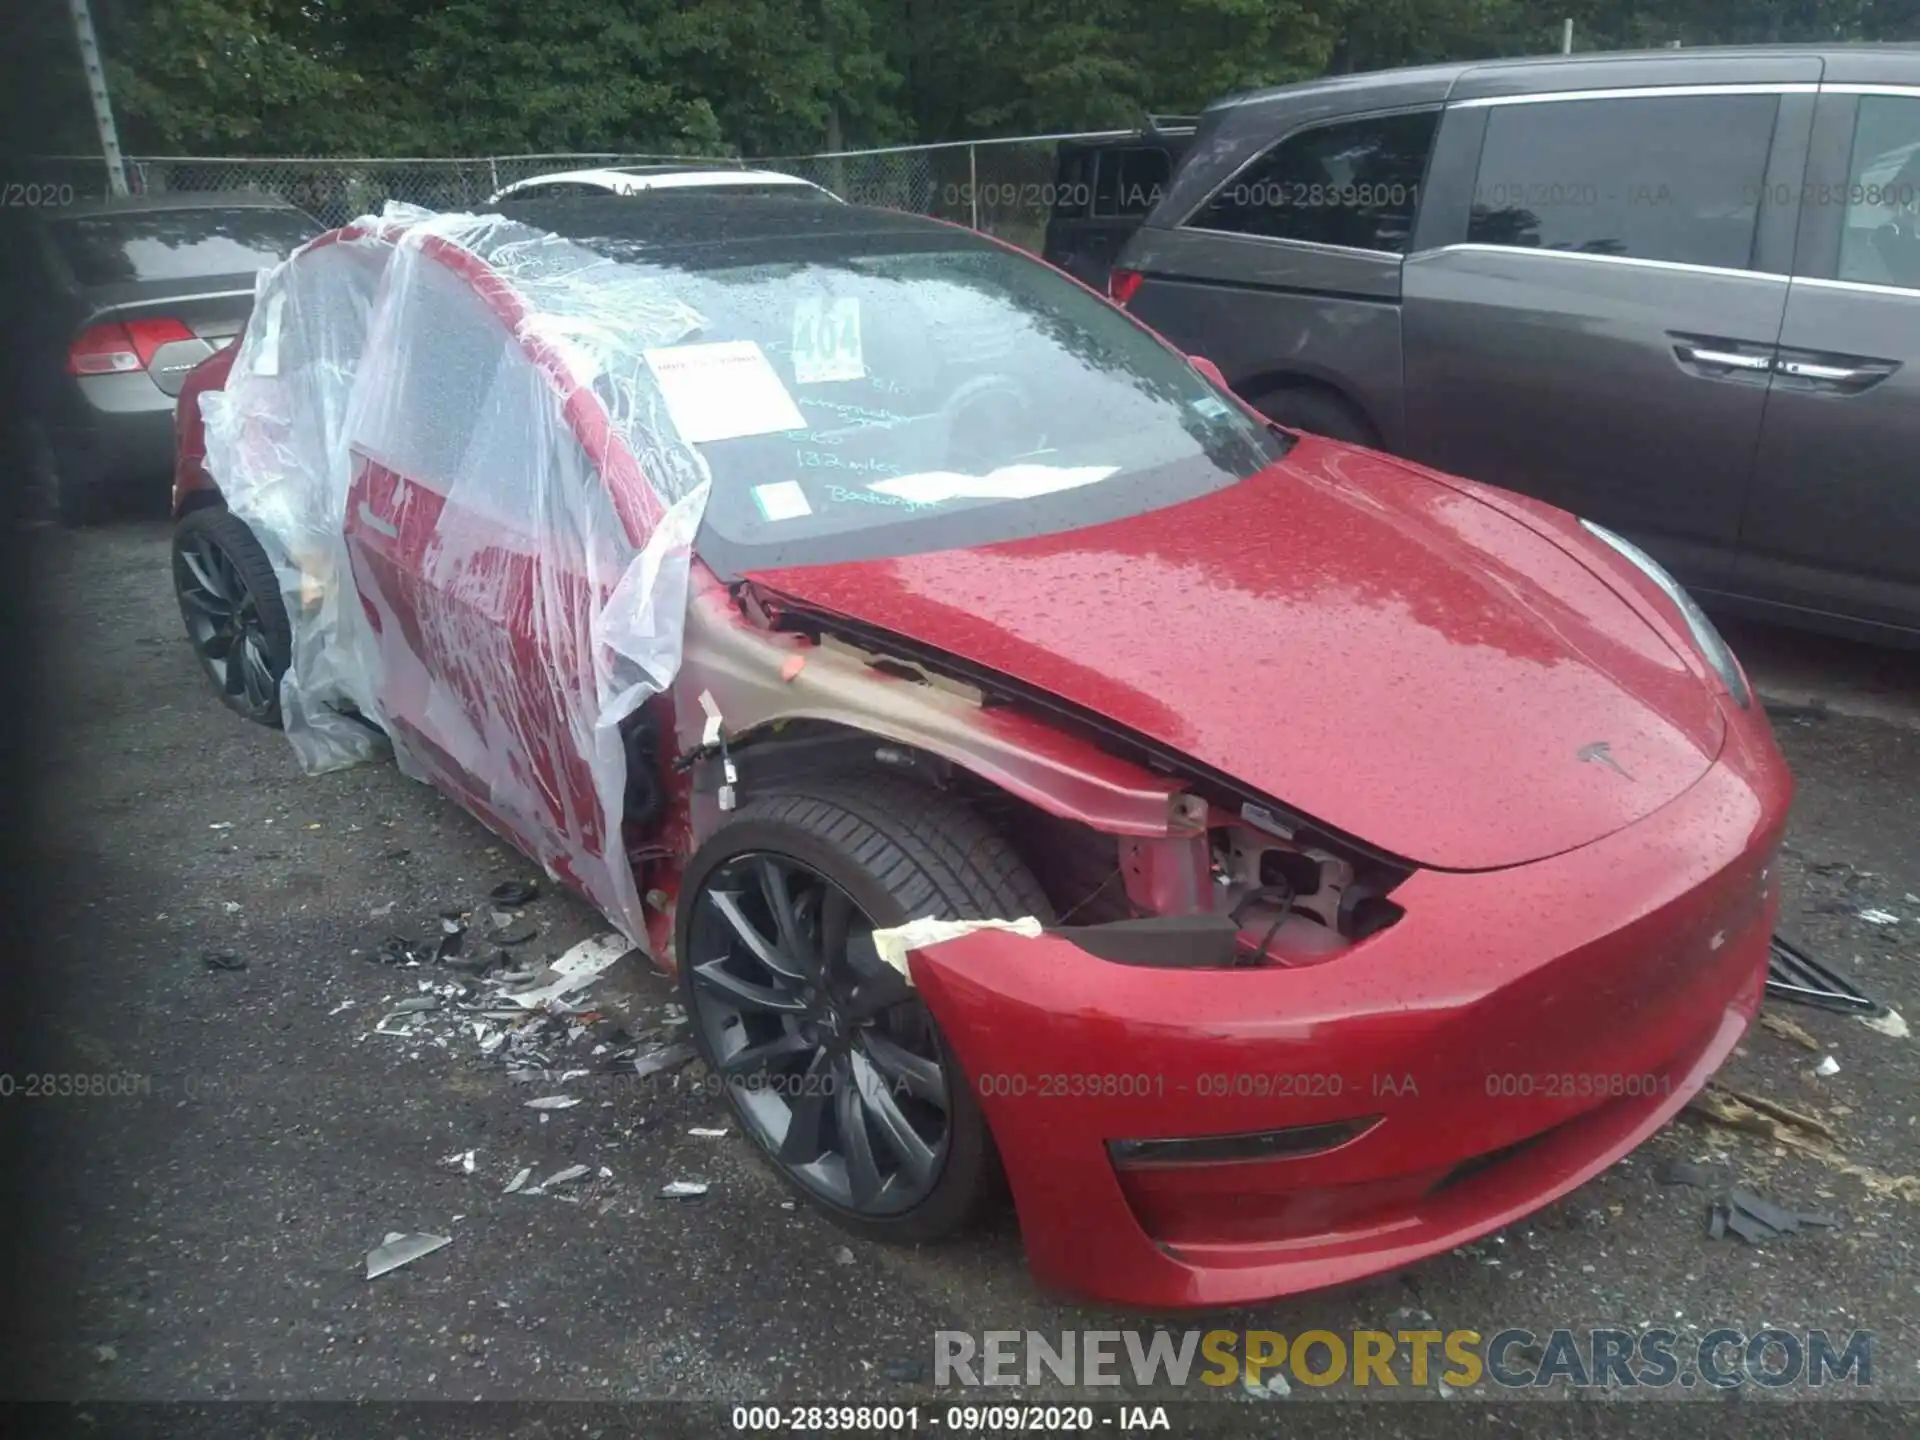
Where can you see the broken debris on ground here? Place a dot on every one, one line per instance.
(399, 1249)
(1748, 1217)
(1794, 975)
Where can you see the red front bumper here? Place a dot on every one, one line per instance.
(1515, 1033)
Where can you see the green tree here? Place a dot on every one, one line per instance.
(228, 76)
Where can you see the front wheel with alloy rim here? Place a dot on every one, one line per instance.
(830, 1061)
(231, 605)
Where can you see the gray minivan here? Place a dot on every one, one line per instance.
(1677, 292)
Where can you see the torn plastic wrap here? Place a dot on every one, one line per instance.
(276, 444)
(487, 460)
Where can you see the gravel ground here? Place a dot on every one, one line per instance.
(203, 1239)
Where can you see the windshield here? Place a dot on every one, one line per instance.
(889, 403)
(180, 244)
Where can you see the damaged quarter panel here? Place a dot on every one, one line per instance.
(745, 670)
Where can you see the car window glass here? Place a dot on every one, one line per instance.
(179, 244)
(1880, 241)
(919, 400)
(1675, 178)
(1129, 183)
(1355, 184)
(1072, 184)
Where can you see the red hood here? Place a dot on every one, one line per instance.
(1383, 653)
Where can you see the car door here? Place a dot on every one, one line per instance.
(483, 545)
(1594, 297)
(1834, 525)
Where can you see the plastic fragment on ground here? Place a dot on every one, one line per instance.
(667, 1057)
(575, 970)
(1891, 1024)
(399, 1249)
(1682, 1172)
(683, 1189)
(1756, 1220)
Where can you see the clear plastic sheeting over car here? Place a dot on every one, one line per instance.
(460, 405)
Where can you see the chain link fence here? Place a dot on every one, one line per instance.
(1004, 187)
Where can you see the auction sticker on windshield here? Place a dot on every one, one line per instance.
(782, 500)
(826, 340)
(722, 390)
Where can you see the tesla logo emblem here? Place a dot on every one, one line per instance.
(1601, 753)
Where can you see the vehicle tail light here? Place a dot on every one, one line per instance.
(117, 347)
(1121, 284)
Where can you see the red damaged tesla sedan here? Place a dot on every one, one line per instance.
(1375, 855)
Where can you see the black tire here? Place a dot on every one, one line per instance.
(70, 486)
(214, 551)
(899, 850)
(1319, 412)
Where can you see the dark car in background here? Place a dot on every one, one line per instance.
(1678, 292)
(1103, 188)
(117, 300)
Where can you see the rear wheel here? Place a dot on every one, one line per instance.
(829, 1059)
(1319, 412)
(230, 602)
(68, 487)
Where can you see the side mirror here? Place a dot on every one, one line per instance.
(1212, 371)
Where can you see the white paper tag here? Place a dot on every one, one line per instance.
(1009, 482)
(826, 341)
(782, 500)
(723, 390)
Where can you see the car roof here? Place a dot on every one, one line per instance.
(694, 220)
(1448, 72)
(172, 200)
(662, 177)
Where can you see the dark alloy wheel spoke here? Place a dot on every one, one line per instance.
(806, 1140)
(744, 993)
(900, 1068)
(200, 562)
(226, 625)
(761, 948)
(836, 916)
(856, 1146)
(779, 897)
(254, 674)
(824, 1050)
(875, 995)
(916, 1157)
(234, 662)
(751, 1060)
(209, 606)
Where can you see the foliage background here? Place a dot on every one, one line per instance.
(769, 77)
